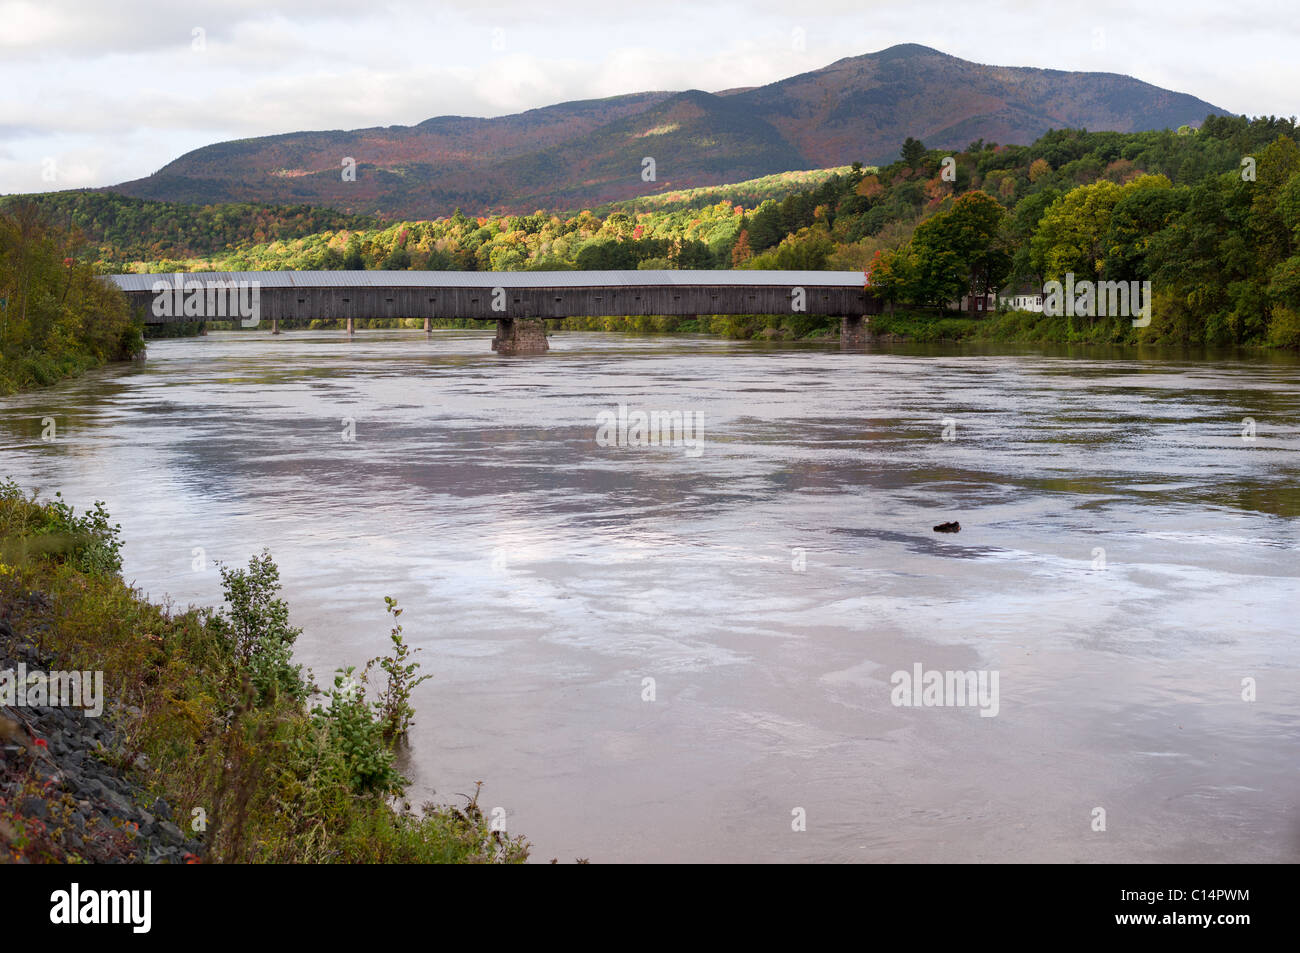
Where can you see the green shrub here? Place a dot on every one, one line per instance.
(1284, 329)
(257, 627)
(393, 706)
(350, 724)
(29, 529)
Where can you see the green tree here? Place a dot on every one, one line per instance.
(913, 153)
(765, 226)
(1150, 206)
(1071, 236)
(964, 250)
(352, 260)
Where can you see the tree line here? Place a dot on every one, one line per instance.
(56, 318)
(1205, 215)
(1209, 216)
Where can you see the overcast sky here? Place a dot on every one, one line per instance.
(101, 92)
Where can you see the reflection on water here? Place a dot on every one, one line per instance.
(1126, 559)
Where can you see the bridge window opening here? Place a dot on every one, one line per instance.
(389, 300)
(558, 300)
(347, 300)
(302, 300)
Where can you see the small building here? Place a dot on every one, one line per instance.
(983, 303)
(1023, 297)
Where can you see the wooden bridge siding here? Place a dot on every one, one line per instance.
(398, 302)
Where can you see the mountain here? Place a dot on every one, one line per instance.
(581, 154)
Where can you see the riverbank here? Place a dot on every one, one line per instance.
(922, 327)
(1028, 327)
(1001, 327)
(57, 319)
(207, 730)
(66, 795)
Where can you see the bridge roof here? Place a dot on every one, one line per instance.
(505, 279)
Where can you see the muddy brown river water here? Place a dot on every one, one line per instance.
(1125, 574)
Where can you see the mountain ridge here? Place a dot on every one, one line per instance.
(585, 152)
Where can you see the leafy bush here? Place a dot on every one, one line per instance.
(353, 730)
(257, 627)
(393, 705)
(1285, 328)
(89, 542)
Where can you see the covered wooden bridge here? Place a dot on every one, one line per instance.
(519, 301)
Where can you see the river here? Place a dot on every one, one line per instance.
(1126, 568)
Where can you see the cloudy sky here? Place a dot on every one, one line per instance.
(97, 93)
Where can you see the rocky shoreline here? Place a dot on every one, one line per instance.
(68, 790)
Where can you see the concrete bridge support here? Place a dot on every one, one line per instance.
(351, 327)
(275, 325)
(520, 336)
(854, 330)
(428, 327)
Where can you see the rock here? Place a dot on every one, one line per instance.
(118, 802)
(80, 763)
(171, 832)
(34, 807)
(953, 527)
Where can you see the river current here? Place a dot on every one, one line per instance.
(698, 653)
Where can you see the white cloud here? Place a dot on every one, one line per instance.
(115, 91)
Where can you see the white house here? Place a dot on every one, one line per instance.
(1025, 297)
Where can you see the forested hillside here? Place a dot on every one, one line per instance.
(127, 229)
(1208, 216)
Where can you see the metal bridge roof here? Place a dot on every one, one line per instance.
(504, 279)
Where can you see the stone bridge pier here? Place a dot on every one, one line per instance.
(520, 336)
(854, 330)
